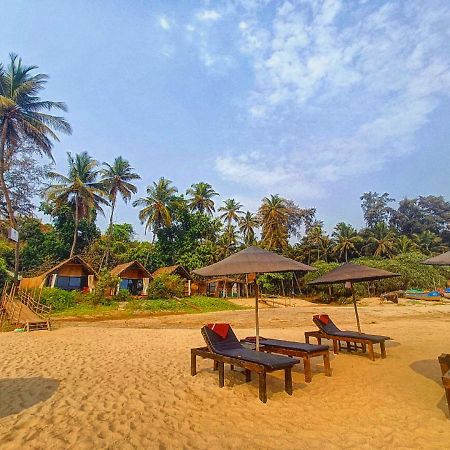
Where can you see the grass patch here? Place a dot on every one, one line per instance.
(86, 309)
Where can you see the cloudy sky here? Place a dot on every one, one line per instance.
(318, 101)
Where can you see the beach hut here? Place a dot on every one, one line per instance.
(71, 275)
(134, 277)
(220, 287)
(179, 270)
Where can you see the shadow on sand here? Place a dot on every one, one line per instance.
(430, 369)
(18, 394)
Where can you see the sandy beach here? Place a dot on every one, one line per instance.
(127, 384)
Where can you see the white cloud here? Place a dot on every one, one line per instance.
(164, 22)
(208, 15)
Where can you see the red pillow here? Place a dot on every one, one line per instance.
(221, 329)
(324, 318)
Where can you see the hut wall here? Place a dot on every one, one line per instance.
(132, 273)
(32, 282)
(72, 270)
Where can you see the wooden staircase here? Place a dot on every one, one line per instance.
(23, 309)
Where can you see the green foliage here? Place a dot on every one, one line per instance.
(123, 296)
(271, 283)
(59, 299)
(106, 284)
(166, 286)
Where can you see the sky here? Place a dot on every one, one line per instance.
(317, 101)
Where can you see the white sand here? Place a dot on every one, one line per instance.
(108, 385)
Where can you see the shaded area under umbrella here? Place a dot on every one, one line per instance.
(439, 260)
(253, 260)
(353, 273)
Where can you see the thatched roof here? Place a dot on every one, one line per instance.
(353, 272)
(120, 268)
(177, 269)
(439, 260)
(73, 260)
(253, 260)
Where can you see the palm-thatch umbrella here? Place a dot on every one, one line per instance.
(439, 260)
(253, 260)
(349, 273)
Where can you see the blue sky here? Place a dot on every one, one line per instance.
(318, 101)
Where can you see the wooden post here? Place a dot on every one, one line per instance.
(356, 310)
(262, 387)
(288, 380)
(256, 314)
(221, 374)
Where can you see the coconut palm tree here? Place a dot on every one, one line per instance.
(247, 224)
(24, 118)
(201, 197)
(382, 240)
(116, 179)
(314, 238)
(274, 215)
(228, 242)
(230, 211)
(345, 239)
(428, 242)
(156, 205)
(80, 189)
(405, 244)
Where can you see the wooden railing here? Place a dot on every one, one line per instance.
(36, 306)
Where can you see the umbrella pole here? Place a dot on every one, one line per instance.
(356, 310)
(257, 314)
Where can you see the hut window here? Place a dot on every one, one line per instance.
(70, 283)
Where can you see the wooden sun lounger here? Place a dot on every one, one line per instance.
(444, 361)
(298, 350)
(353, 339)
(230, 351)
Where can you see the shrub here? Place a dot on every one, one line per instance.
(166, 286)
(123, 296)
(58, 299)
(105, 284)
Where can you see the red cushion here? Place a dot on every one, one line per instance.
(324, 318)
(221, 329)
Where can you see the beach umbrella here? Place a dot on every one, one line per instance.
(253, 261)
(439, 260)
(353, 273)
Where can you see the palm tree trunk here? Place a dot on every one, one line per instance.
(346, 254)
(75, 231)
(110, 231)
(5, 190)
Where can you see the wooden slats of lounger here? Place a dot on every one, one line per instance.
(444, 361)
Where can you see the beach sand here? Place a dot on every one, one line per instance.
(127, 384)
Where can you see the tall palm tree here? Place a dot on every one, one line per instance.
(116, 179)
(156, 205)
(24, 118)
(405, 244)
(345, 239)
(201, 197)
(227, 242)
(230, 211)
(274, 216)
(428, 242)
(247, 224)
(80, 189)
(382, 240)
(314, 238)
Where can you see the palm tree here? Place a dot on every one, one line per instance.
(230, 211)
(326, 246)
(428, 242)
(345, 238)
(24, 118)
(80, 188)
(274, 215)
(247, 224)
(382, 240)
(116, 179)
(201, 197)
(227, 242)
(155, 210)
(314, 238)
(405, 244)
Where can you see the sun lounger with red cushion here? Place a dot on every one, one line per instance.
(328, 330)
(225, 348)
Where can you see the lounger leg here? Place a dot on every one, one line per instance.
(307, 338)
(383, 349)
(326, 363)
(371, 354)
(363, 348)
(231, 366)
(216, 365)
(262, 387)
(307, 366)
(349, 346)
(221, 374)
(335, 346)
(248, 375)
(193, 363)
(319, 340)
(288, 380)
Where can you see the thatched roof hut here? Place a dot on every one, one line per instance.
(134, 277)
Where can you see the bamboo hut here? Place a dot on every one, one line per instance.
(179, 270)
(221, 287)
(73, 274)
(134, 277)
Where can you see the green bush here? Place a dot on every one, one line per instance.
(106, 284)
(123, 296)
(59, 299)
(166, 286)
